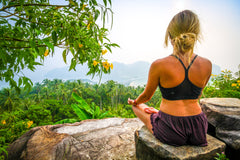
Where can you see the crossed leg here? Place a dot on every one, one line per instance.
(143, 112)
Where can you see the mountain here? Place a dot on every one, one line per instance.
(216, 69)
(128, 74)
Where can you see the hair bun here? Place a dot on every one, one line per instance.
(185, 41)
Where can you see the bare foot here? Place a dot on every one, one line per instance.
(150, 110)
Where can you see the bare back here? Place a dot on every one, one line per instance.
(172, 73)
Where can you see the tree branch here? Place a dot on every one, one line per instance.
(33, 4)
(13, 39)
(14, 14)
(23, 47)
(10, 14)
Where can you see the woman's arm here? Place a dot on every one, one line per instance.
(153, 81)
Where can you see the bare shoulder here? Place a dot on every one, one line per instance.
(204, 64)
(161, 62)
(204, 61)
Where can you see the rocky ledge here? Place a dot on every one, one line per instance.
(149, 148)
(105, 139)
(223, 116)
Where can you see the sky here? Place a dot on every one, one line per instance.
(139, 28)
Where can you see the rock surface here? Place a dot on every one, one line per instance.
(148, 147)
(223, 115)
(106, 139)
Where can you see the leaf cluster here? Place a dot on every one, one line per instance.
(84, 111)
(223, 85)
(221, 156)
(31, 29)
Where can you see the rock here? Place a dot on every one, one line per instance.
(222, 112)
(231, 138)
(150, 148)
(223, 116)
(106, 139)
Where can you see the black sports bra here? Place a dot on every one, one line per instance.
(185, 90)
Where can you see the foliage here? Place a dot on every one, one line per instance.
(123, 111)
(223, 85)
(3, 148)
(66, 121)
(221, 156)
(8, 98)
(84, 111)
(54, 101)
(12, 126)
(39, 115)
(31, 29)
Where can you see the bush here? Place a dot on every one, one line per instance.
(39, 115)
(123, 111)
(223, 85)
(12, 126)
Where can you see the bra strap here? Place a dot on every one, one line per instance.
(186, 69)
(180, 61)
(192, 62)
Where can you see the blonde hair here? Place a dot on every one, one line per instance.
(183, 31)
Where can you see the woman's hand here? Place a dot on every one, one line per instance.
(150, 110)
(130, 101)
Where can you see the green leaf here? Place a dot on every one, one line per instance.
(73, 65)
(110, 2)
(50, 45)
(115, 45)
(82, 115)
(32, 43)
(54, 37)
(76, 97)
(97, 111)
(83, 104)
(105, 2)
(20, 81)
(94, 2)
(14, 19)
(37, 63)
(109, 48)
(64, 55)
(72, 51)
(97, 13)
(103, 115)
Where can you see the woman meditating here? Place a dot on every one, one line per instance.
(181, 78)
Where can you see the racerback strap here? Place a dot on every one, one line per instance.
(186, 69)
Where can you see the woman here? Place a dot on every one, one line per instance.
(181, 78)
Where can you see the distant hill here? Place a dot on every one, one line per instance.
(216, 69)
(128, 74)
